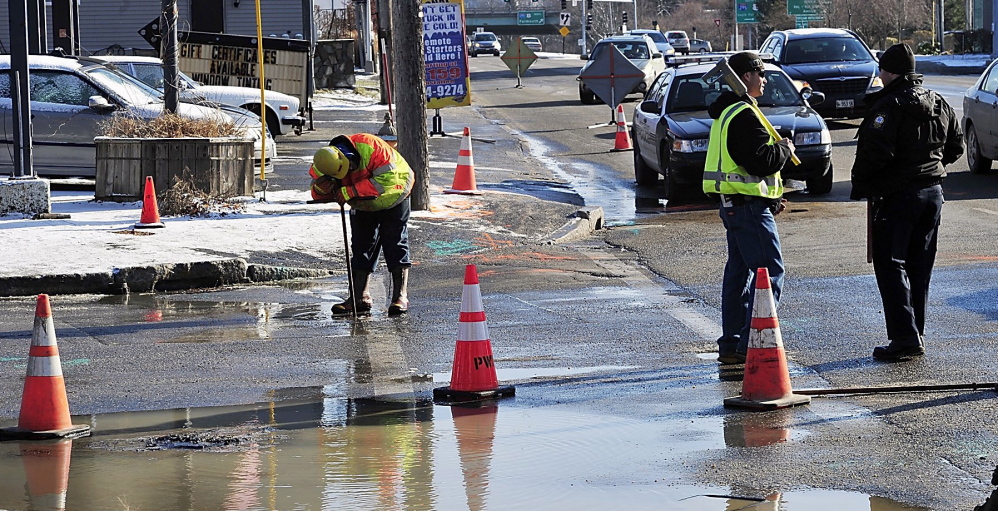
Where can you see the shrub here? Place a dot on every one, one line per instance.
(167, 125)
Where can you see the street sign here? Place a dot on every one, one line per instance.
(746, 11)
(518, 59)
(563, 31)
(717, 23)
(813, 7)
(611, 76)
(530, 18)
(565, 19)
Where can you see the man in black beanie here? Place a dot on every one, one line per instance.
(908, 135)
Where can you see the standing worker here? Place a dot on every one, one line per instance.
(367, 172)
(908, 135)
(743, 171)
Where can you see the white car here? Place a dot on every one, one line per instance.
(283, 111)
(71, 96)
(484, 42)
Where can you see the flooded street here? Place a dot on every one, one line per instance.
(338, 453)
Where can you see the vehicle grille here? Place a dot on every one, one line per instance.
(848, 86)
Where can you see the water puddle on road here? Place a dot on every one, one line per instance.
(338, 453)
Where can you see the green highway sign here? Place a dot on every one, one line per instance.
(530, 18)
(746, 11)
(805, 7)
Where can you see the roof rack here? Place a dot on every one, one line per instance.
(707, 58)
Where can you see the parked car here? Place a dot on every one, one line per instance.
(70, 96)
(829, 60)
(283, 111)
(533, 43)
(671, 126)
(980, 123)
(700, 46)
(484, 42)
(639, 49)
(660, 41)
(679, 40)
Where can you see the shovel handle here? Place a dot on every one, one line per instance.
(772, 131)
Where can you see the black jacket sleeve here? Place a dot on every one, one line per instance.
(954, 138)
(748, 144)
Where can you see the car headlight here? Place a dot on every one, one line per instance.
(877, 83)
(813, 138)
(698, 145)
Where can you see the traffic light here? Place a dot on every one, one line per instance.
(564, 4)
(589, 21)
(624, 17)
(589, 5)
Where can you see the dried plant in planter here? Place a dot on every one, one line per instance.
(183, 199)
(166, 125)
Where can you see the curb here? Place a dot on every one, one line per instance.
(580, 224)
(160, 277)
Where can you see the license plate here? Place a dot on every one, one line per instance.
(844, 103)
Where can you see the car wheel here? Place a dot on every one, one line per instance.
(978, 163)
(821, 185)
(272, 122)
(643, 174)
(586, 96)
(703, 50)
(473, 54)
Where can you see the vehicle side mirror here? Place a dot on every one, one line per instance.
(99, 103)
(657, 55)
(650, 107)
(811, 96)
(584, 57)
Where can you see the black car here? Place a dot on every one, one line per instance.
(671, 126)
(980, 123)
(832, 61)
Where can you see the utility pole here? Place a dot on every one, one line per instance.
(171, 75)
(19, 87)
(410, 96)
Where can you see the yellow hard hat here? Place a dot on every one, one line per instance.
(331, 162)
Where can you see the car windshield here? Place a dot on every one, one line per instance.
(125, 87)
(633, 50)
(656, 36)
(828, 49)
(689, 93)
(485, 37)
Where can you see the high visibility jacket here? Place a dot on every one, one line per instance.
(722, 175)
(381, 181)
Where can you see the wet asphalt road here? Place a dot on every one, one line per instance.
(640, 296)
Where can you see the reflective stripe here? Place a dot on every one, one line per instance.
(476, 331)
(45, 366)
(722, 176)
(384, 169)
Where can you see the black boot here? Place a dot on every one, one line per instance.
(400, 291)
(900, 350)
(364, 303)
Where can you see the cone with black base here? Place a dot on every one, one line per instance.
(766, 384)
(44, 405)
(473, 376)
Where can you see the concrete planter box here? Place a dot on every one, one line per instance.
(220, 167)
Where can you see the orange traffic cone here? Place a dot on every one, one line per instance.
(766, 385)
(46, 468)
(475, 427)
(150, 209)
(464, 177)
(623, 141)
(473, 377)
(44, 405)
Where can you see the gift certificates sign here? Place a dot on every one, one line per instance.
(447, 80)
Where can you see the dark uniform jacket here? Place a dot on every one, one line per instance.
(908, 135)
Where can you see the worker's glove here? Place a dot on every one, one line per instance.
(325, 188)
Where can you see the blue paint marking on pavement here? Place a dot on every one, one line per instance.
(76, 362)
(13, 359)
(444, 248)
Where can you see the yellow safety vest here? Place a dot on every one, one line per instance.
(722, 175)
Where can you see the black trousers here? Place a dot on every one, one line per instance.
(905, 231)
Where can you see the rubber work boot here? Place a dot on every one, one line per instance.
(899, 351)
(360, 280)
(400, 291)
(734, 357)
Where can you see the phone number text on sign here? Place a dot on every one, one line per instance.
(446, 58)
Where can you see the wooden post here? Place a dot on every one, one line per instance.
(410, 94)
